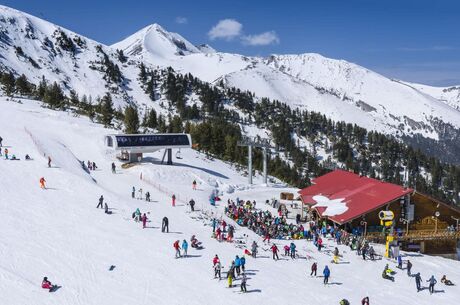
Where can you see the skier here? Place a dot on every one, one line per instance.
(165, 225)
(237, 265)
(177, 248)
(372, 253)
(113, 168)
(243, 263)
(292, 250)
(365, 301)
(314, 268)
(224, 225)
(94, 166)
(418, 281)
(140, 193)
(217, 270)
(231, 229)
(326, 273)
(1, 140)
(42, 183)
(192, 205)
(254, 249)
(185, 247)
(47, 284)
(101, 201)
(106, 209)
(432, 282)
(194, 185)
(49, 161)
(147, 196)
(214, 224)
(335, 259)
(6, 153)
(230, 276)
(320, 243)
(173, 200)
(275, 252)
(144, 221)
(243, 283)
(409, 267)
(133, 192)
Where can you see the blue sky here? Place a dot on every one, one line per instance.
(406, 39)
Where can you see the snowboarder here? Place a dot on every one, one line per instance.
(94, 166)
(177, 248)
(243, 263)
(386, 272)
(144, 221)
(365, 301)
(445, 281)
(230, 277)
(418, 281)
(165, 225)
(217, 270)
(42, 183)
(409, 267)
(326, 273)
(185, 247)
(194, 185)
(192, 205)
(314, 268)
(173, 198)
(47, 284)
(49, 161)
(432, 282)
(293, 250)
(101, 201)
(275, 252)
(243, 283)
(106, 208)
(147, 196)
(113, 168)
(133, 192)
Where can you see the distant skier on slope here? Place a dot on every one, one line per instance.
(365, 301)
(177, 248)
(185, 247)
(42, 183)
(1, 141)
(314, 268)
(165, 225)
(418, 281)
(113, 168)
(254, 249)
(101, 201)
(432, 282)
(217, 270)
(144, 221)
(243, 283)
(194, 185)
(275, 252)
(133, 192)
(49, 161)
(173, 200)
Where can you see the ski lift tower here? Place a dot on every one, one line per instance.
(251, 142)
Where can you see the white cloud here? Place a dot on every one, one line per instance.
(262, 39)
(226, 29)
(181, 20)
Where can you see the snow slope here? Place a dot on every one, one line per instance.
(59, 233)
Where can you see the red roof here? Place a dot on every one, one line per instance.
(360, 195)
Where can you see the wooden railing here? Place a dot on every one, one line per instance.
(416, 235)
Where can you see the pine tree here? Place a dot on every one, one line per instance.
(131, 120)
(107, 110)
(41, 90)
(8, 82)
(54, 96)
(23, 86)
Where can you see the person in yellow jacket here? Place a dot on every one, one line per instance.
(336, 256)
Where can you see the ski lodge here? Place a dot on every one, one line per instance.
(353, 202)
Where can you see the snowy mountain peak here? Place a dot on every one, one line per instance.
(154, 39)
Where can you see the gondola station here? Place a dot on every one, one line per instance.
(384, 212)
(131, 147)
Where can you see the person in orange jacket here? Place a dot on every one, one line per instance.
(42, 183)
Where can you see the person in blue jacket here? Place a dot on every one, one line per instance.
(432, 282)
(326, 273)
(237, 265)
(292, 248)
(185, 247)
(243, 263)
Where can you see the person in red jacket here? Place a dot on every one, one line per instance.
(46, 284)
(218, 234)
(320, 243)
(365, 301)
(224, 225)
(177, 248)
(215, 260)
(275, 252)
(314, 268)
(42, 183)
(144, 221)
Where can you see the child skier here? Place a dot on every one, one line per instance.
(326, 273)
(275, 252)
(144, 221)
(185, 247)
(243, 283)
(177, 248)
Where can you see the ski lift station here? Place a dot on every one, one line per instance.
(131, 147)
